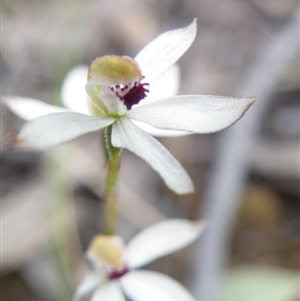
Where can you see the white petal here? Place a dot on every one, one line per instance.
(54, 129)
(109, 292)
(158, 132)
(89, 283)
(153, 286)
(73, 94)
(30, 108)
(193, 113)
(166, 86)
(126, 134)
(112, 102)
(161, 239)
(161, 53)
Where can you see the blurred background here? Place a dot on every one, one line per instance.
(246, 178)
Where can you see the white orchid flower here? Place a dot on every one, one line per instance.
(115, 265)
(117, 87)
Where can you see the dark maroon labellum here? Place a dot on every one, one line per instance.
(135, 95)
(117, 274)
(131, 94)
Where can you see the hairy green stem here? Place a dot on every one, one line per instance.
(111, 209)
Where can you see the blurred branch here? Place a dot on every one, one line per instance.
(281, 163)
(232, 164)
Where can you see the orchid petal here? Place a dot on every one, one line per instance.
(193, 113)
(109, 292)
(126, 134)
(150, 286)
(158, 132)
(160, 54)
(166, 86)
(112, 103)
(73, 94)
(89, 283)
(161, 239)
(54, 129)
(30, 108)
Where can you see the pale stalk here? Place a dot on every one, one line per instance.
(111, 207)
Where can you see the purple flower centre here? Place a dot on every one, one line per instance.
(130, 94)
(113, 275)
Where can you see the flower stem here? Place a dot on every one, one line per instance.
(111, 204)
